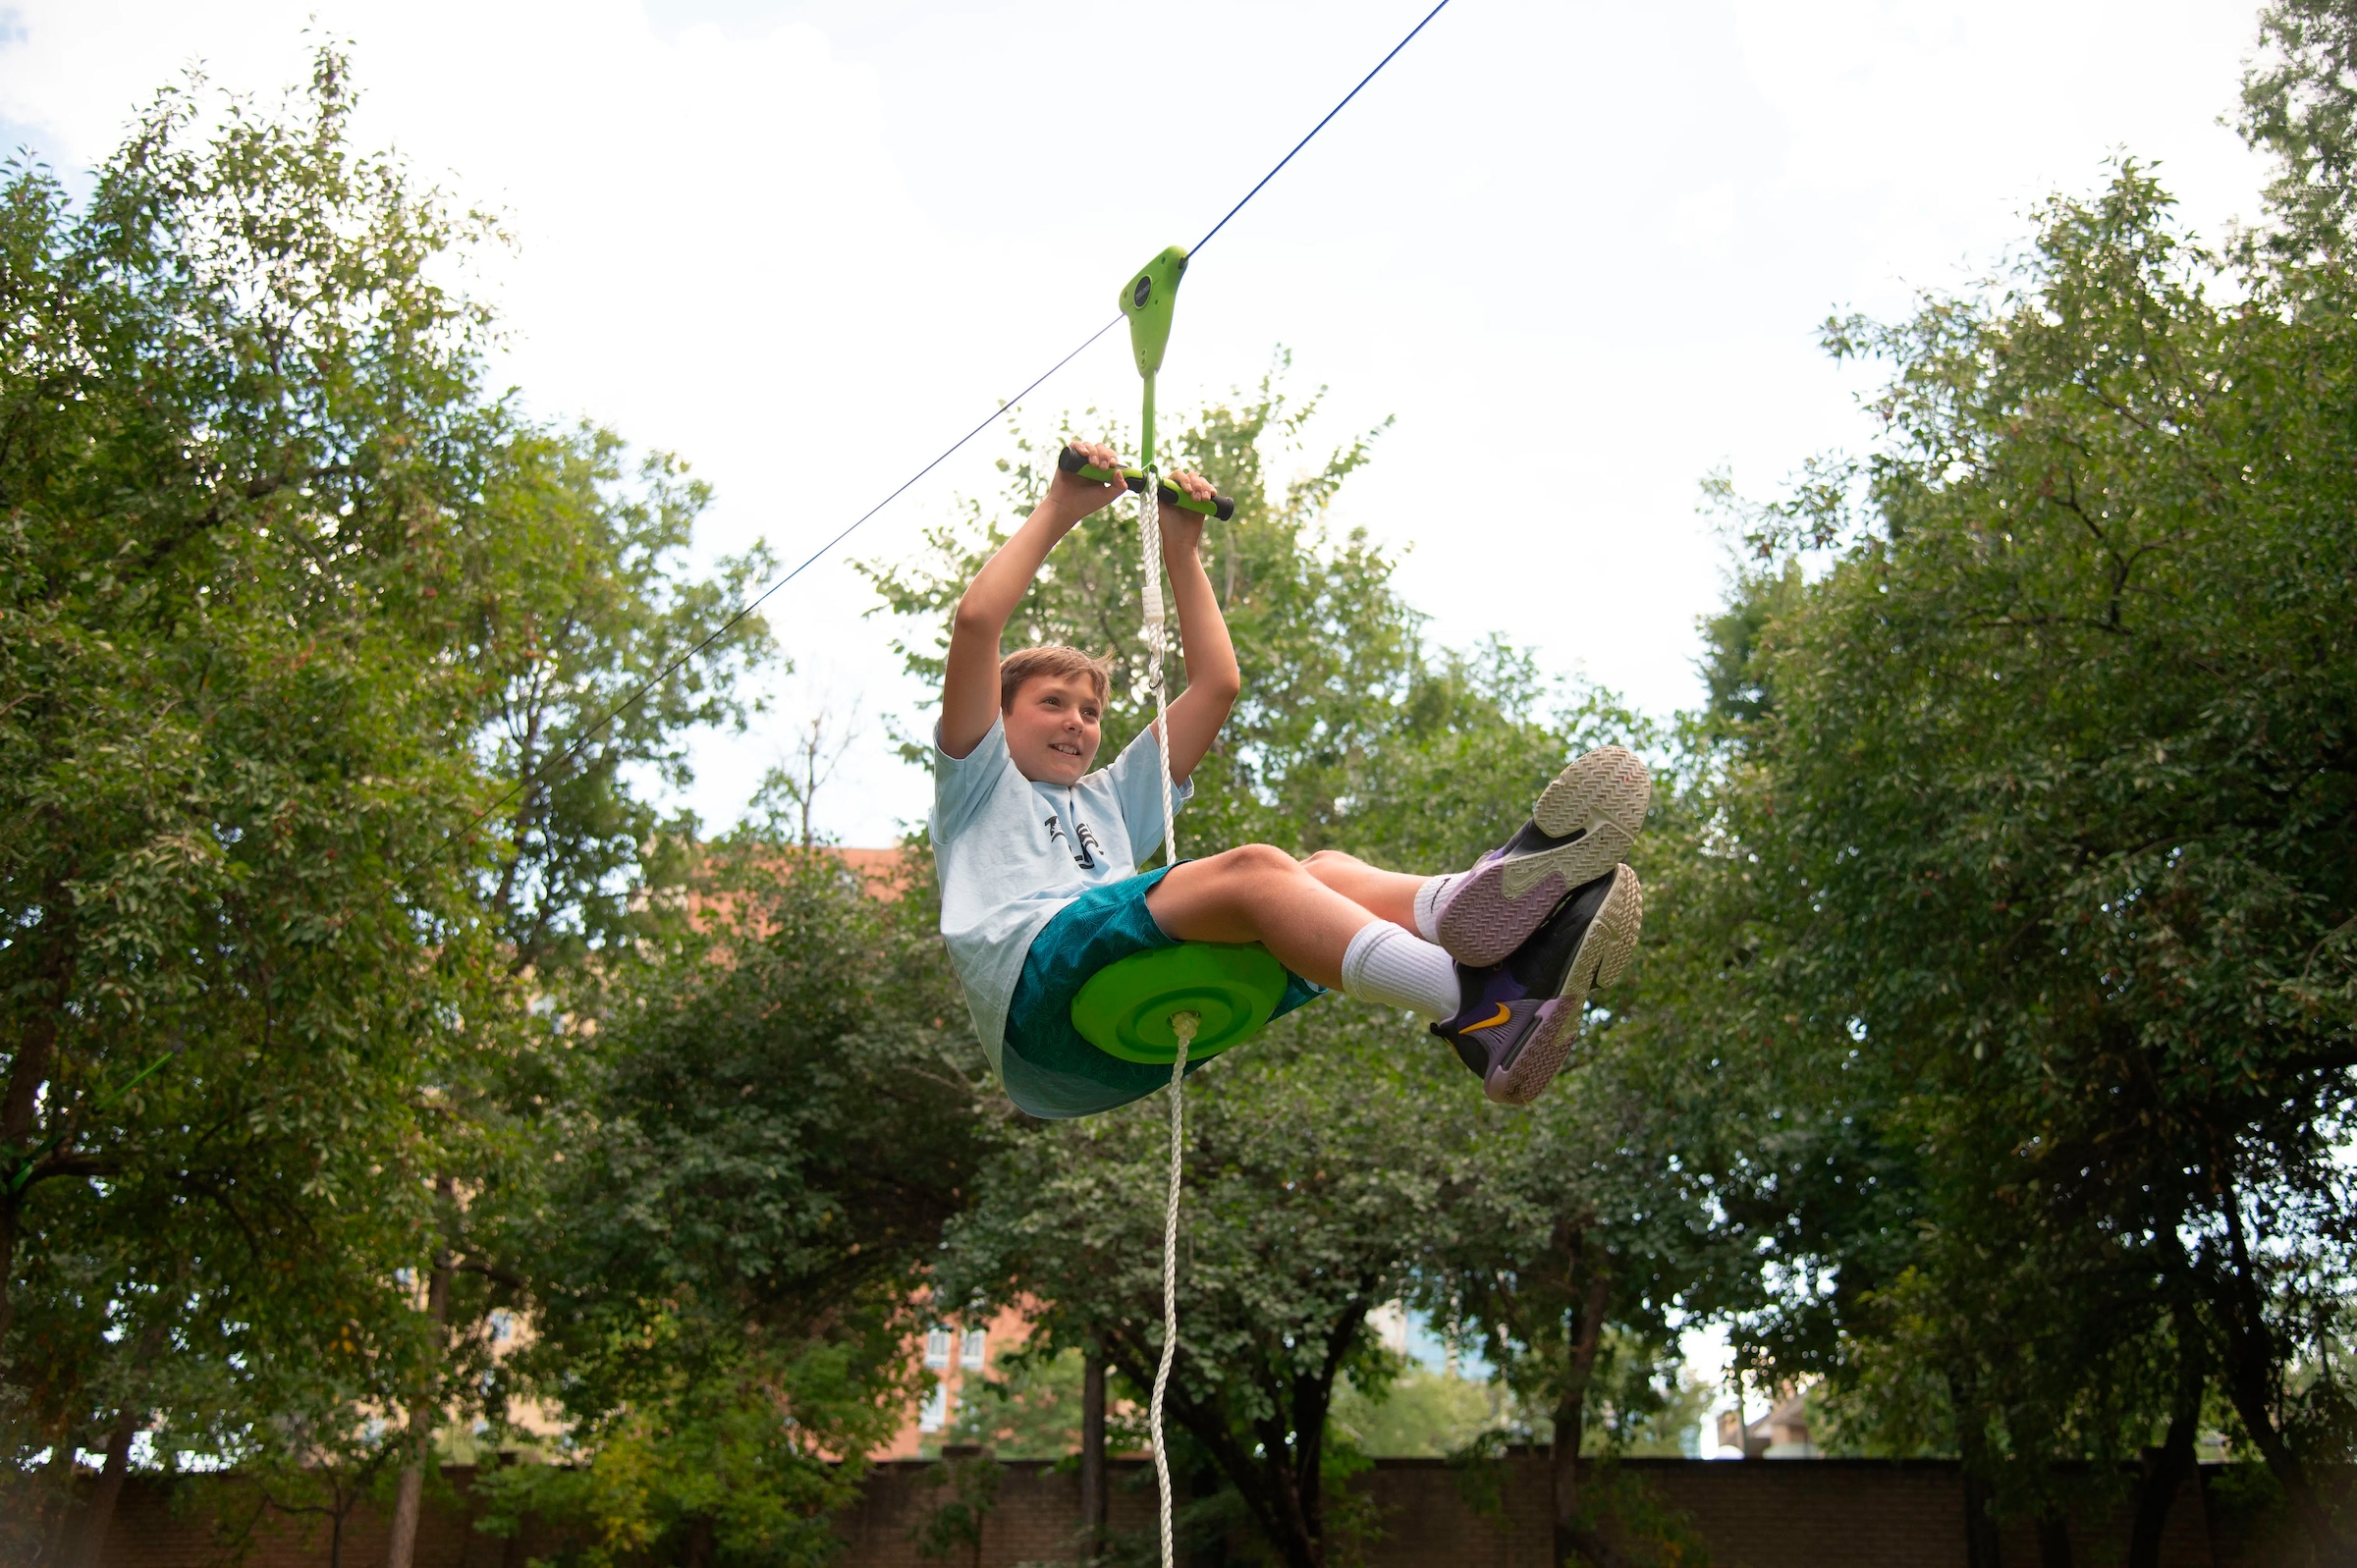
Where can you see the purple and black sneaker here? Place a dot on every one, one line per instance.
(1519, 1019)
(1580, 828)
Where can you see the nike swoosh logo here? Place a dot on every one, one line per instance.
(1503, 1013)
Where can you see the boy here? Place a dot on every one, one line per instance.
(1038, 855)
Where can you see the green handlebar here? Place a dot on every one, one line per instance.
(1071, 462)
(1218, 506)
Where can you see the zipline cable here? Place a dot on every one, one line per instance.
(1320, 126)
(533, 775)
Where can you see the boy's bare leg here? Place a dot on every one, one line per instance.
(1258, 892)
(1387, 894)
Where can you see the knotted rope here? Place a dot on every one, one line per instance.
(1183, 1024)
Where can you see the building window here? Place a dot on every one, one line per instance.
(935, 1412)
(977, 1345)
(937, 1347)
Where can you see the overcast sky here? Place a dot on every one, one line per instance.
(1580, 252)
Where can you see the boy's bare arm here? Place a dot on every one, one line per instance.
(1212, 677)
(969, 687)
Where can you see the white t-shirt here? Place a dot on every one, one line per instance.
(1012, 852)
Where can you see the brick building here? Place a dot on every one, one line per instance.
(958, 1357)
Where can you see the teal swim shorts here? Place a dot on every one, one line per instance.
(1050, 1069)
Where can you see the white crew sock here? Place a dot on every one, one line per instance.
(1386, 964)
(1428, 908)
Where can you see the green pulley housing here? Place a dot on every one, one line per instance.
(1148, 299)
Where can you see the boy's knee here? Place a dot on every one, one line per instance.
(1327, 860)
(1260, 861)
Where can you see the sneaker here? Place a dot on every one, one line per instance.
(1519, 1018)
(1580, 829)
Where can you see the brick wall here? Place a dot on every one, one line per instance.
(1833, 1513)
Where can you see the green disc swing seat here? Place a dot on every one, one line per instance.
(1125, 1008)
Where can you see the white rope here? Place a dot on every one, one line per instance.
(1183, 1024)
(1149, 537)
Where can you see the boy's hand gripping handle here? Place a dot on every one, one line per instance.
(1218, 506)
(1071, 462)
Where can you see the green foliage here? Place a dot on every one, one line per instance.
(285, 596)
(579, 600)
(765, 1142)
(722, 1457)
(243, 443)
(953, 1527)
(1618, 1503)
(1305, 1177)
(1421, 1415)
(2299, 104)
(1029, 1410)
(2021, 942)
(1575, 1230)
(1329, 647)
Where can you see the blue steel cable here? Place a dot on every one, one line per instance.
(1320, 126)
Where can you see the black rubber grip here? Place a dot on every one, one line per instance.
(1071, 462)
(1218, 506)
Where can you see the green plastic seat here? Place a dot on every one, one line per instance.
(1125, 1008)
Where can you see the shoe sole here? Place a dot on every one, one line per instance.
(1603, 796)
(1603, 957)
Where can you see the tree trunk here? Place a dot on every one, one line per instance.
(1094, 1503)
(1576, 1541)
(101, 1519)
(12, 1206)
(2166, 1467)
(20, 1105)
(2247, 1386)
(2054, 1539)
(424, 1412)
(696, 1550)
(1980, 1548)
(2251, 1373)
(101, 1516)
(58, 1540)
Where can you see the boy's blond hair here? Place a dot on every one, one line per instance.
(1053, 660)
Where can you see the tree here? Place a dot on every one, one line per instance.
(239, 415)
(287, 598)
(1579, 1228)
(1333, 646)
(773, 1129)
(1309, 1183)
(2030, 900)
(592, 652)
(820, 743)
(2299, 104)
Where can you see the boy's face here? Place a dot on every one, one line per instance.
(1052, 728)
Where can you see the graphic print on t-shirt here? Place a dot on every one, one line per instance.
(1083, 845)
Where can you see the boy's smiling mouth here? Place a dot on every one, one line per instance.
(1067, 747)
